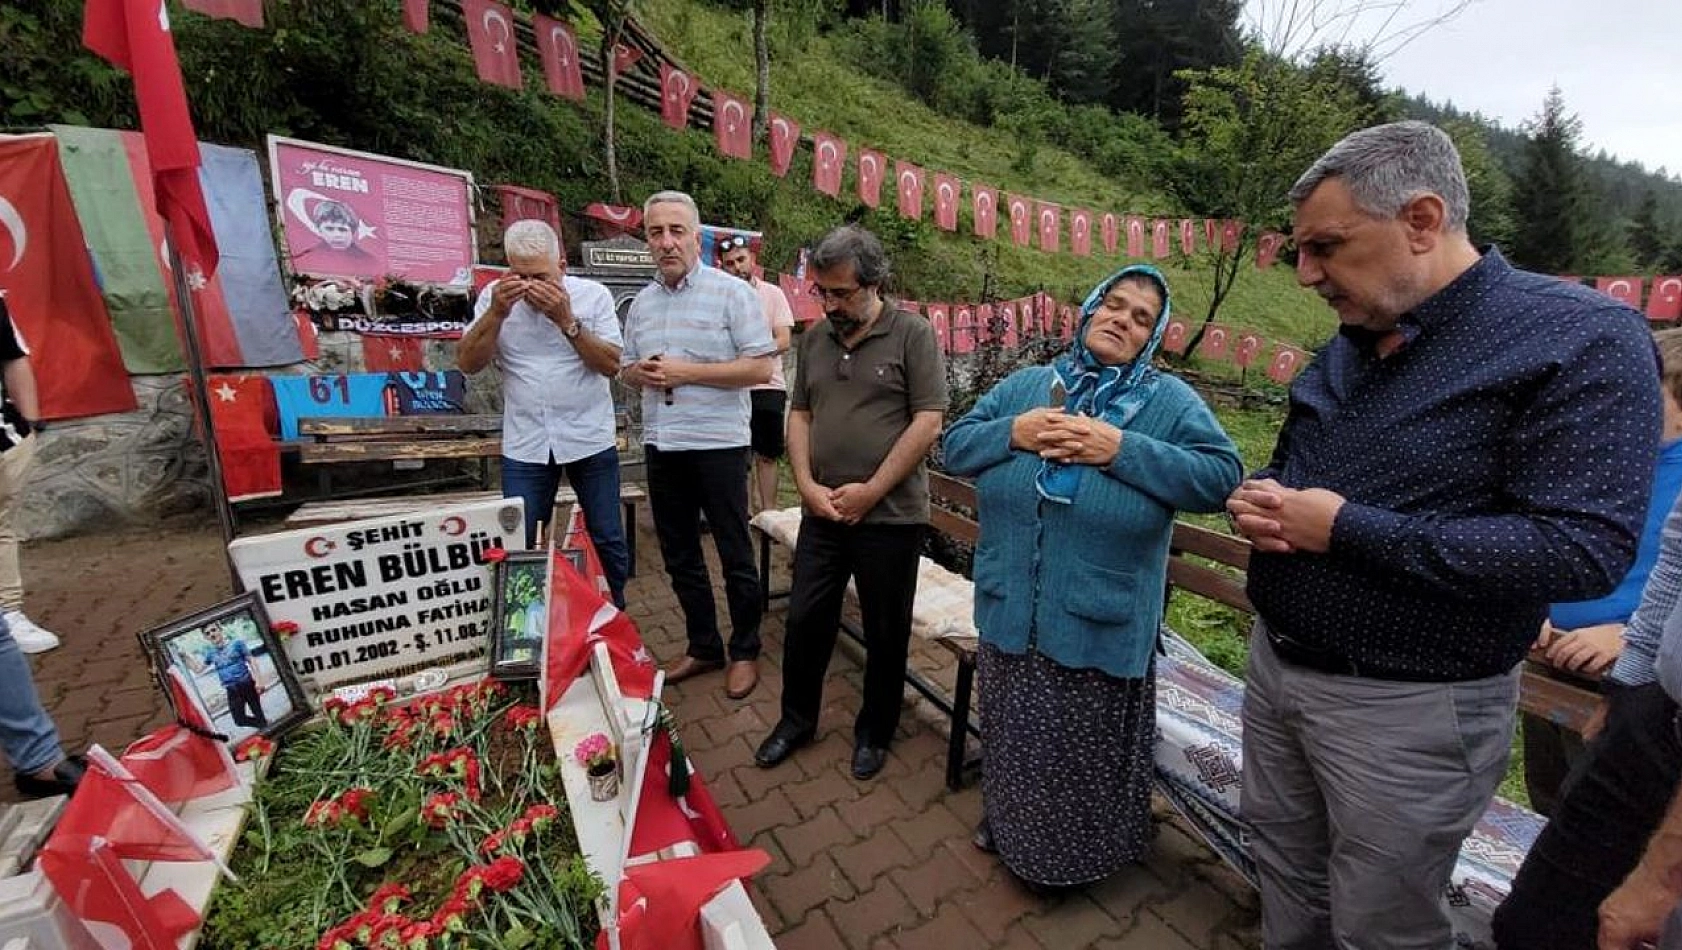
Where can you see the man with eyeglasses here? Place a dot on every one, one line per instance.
(736, 255)
(695, 340)
(869, 398)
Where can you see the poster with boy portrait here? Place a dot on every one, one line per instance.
(223, 659)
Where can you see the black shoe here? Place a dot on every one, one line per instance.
(781, 743)
(66, 776)
(983, 839)
(867, 761)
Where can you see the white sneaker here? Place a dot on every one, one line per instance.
(29, 637)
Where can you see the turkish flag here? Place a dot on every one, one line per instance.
(240, 409)
(88, 875)
(1109, 230)
(945, 202)
(1188, 237)
(1050, 224)
(307, 339)
(392, 354)
(111, 803)
(664, 820)
(246, 12)
(660, 901)
(938, 319)
(1135, 236)
(909, 188)
(1007, 325)
(1287, 362)
(557, 47)
(677, 90)
(872, 165)
(909, 306)
(984, 206)
(785, 137)
(732, 125)
(1248, 348)
(178, 765)
(1070, 318)
(806, 307)
(490, 33)
(619, 218)
(1665, 302)
(1175, 336)
(52, 296)
(519, 204)
(1021, 230)
(1217, 343)
(625, 56)
(1267, 248)
(1080, 232)
(1231, 231)
(984, 323)
(1210, 227)
(963, 329)
(828, 155)
(134, 35)
(415, 15)
(1159, 239)
(1624, 289)
(580, 616)
(1047, 309)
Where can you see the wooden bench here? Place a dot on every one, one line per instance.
(324, 441)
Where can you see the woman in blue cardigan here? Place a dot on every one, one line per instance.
(1080, 467)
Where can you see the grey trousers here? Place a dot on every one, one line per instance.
(1358, 793)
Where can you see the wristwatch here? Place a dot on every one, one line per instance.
(572, 331)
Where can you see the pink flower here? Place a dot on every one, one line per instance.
(593, 749)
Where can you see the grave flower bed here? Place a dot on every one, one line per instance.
(433, 823)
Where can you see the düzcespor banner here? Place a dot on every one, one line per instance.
(352, 214)
(383, 596)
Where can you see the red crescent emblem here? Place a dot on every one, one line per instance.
(453, 525)
(318, 547)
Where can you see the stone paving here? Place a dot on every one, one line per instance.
(855, 865)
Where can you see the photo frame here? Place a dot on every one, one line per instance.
(519, 615)
(232, 668)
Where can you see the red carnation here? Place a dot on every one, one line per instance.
(254, 747)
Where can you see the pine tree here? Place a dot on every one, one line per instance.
(1155, 40)
(1551, 194)
(1646, 237)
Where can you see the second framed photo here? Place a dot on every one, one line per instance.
(519, 615)
(228, 664)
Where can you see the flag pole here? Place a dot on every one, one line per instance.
(201, 401)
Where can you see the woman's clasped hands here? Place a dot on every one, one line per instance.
(1057, 436)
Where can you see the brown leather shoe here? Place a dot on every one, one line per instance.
(690, 667)
(742, 677)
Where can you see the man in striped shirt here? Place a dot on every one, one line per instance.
(695, 341)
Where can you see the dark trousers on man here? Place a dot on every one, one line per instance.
(882, 560)
(681, 487)
(1610, 805)
(595, 483)
(245, 704)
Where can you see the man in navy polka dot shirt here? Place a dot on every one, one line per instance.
(1475, 443)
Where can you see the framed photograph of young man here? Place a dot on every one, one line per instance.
(230, 666)
(519, 615)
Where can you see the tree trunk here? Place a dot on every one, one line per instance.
(610, 39)
(762, 69)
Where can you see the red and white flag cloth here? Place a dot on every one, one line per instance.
(245, 12)
(415, 15)
(1021, 221)
(984, 207)
(392, 354)
(1211, 228)
(1267, 248)
(557, 47)
(1287, 362)
(134, 36)
(829, 155)
(872, 166)
(1175, 336)
(1049, 220)
(1135, 227)
(1006, 313)
(112, 804)
(1047, 310)
(1109, 230)
(663, 821)
(677, 90)
(580, 616)
(490, 34)
(785, 138)
(1248, 347)
(1188, 237)
(87, 873)
(963, 329)
(1231, 231)
(618, 218)
(660, 901)
(984, 324)
(1070, 318)
(181, 761)
(241, 409)
(806, 307)
(520, 203)
(1216, 344)
(1665, 300)
(1159, 239)
(732, 125)
(625, 56)
(939, 319)
(1623, 289)
(945, 201)
(1080, 231)
(908, 180)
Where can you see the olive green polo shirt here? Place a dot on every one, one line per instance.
(862, 399)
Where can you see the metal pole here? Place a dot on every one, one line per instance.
(201, 402)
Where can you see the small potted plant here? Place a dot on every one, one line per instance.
(601, 766)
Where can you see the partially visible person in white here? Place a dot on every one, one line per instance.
(20, 414)
(767, 422)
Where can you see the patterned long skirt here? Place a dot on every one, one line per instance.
(1066, 778)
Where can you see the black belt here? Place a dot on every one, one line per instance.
(1336, 664)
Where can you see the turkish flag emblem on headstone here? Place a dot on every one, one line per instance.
(1188, 237)
(1159, 239)
(785, 136)
(828, 155)
(677, 91)
(945, 202)
(1050, 219)
(909, 188)
(1020, 231)
(1080, 232)
(1267, 248)
(1217, 343)
(1665, 302)
(557, 46)
(1135, 236)
(490, 33)
(1624, 289)
(1109, 230)
(938, 319)
(732, 125)
(1287, 362)
(1248, 348)
(1175, 336)
(872, 165)
(985, 208)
